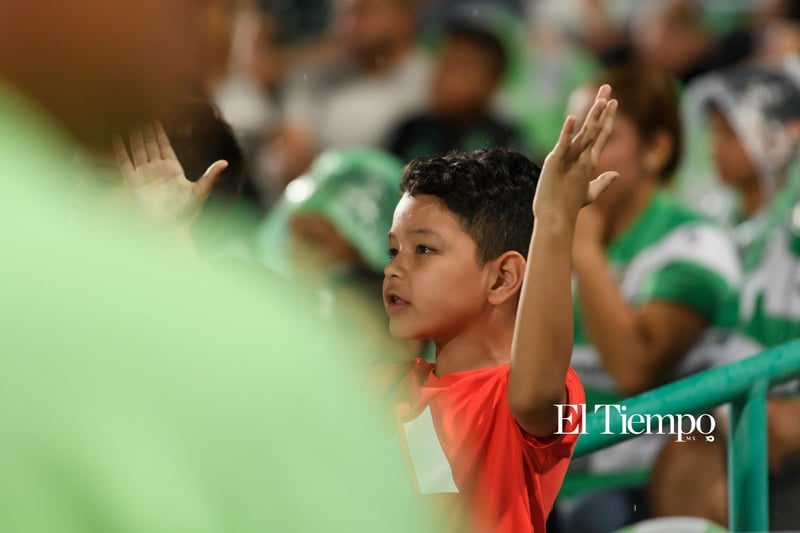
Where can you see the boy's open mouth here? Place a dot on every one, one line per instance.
(393, 302)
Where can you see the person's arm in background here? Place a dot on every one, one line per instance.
(637, 344)
(157, 185)
(543, 334)
(783, 432)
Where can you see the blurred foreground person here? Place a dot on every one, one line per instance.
(138, 393)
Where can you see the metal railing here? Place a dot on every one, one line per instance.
(743, 384)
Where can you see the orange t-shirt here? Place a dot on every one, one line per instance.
(466, 453)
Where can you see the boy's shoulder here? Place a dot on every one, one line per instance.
(402, 383)
(392, 380)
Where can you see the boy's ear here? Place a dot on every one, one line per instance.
(508, 271)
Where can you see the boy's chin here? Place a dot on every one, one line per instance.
(404, 332)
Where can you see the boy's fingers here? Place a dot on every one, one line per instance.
(121, 156)
(606, 128)
(150, 143)
(137, 149)
(604, 92)
(564, 138)
(591, 125)
(600, 184)
(164, 144)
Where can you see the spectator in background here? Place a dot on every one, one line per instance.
(268, 38)
(653, 284)
(328, 234)
(247, 93)
(781, 35)
(471, 65)
(754, 113)
(435, 12)
(546, 63)
(199, 137)
(671, 36)
(353, 102)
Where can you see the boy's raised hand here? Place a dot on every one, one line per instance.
(155, 178)
(565, 184)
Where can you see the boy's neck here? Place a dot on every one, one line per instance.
(487, 343)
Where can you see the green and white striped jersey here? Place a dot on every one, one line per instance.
(669, 254)
(759, 102)
(769, 309)
(770, 301)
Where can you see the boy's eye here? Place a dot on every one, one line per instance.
(422, 249)
(392, 252)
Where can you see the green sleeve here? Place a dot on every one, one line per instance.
(695, 287)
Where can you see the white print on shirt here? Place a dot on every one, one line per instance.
(428, 460)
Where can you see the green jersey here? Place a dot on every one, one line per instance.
(760, 102)
(673, 255)
(769, 309)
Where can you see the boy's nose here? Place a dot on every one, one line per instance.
(393, 269)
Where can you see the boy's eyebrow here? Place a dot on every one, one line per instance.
(417, 231)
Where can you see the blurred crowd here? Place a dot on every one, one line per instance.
(301, 115)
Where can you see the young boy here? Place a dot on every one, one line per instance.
(470, 271)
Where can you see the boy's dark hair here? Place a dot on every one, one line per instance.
(490, 191)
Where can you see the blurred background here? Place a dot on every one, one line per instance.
(297, 78)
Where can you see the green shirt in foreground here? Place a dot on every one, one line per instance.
(140, 393)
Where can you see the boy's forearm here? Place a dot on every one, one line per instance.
(543, 332)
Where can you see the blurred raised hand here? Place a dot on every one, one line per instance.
(155, 180)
